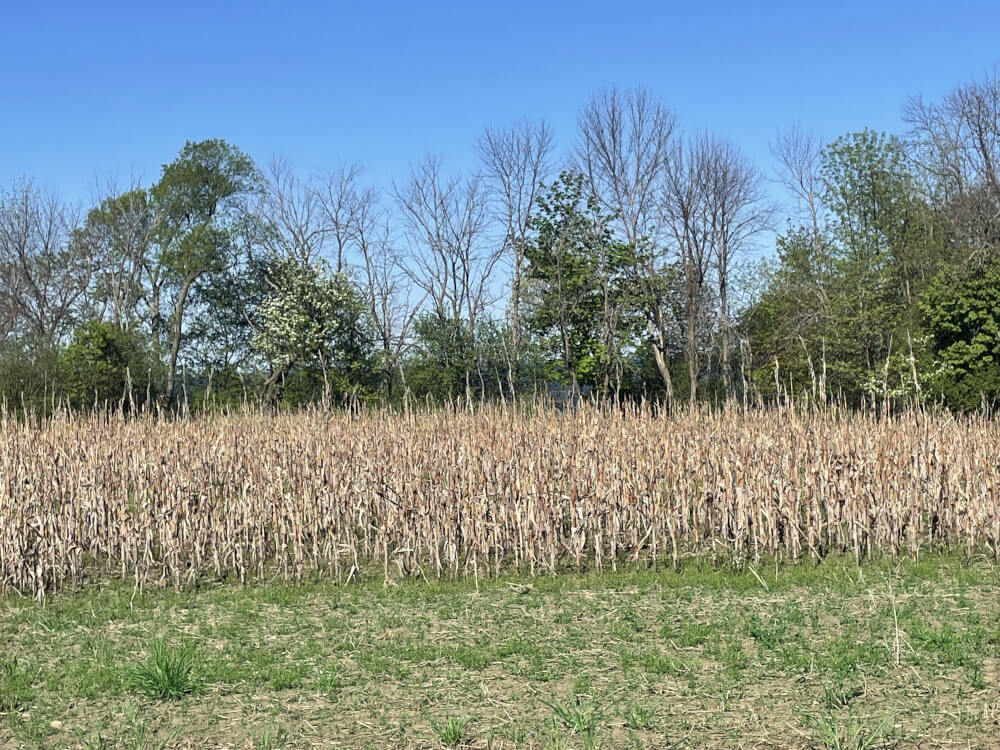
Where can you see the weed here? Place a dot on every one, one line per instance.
(638, 715)
(834, 731)
(15, 686)
(450, 730)
(167, 674)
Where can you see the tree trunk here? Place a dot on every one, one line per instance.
(515, 320)
(724, 364)
(175, 339)
(657, 340)
(692, 347)
(155, 319)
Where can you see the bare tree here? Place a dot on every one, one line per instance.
(390, 304)
(517, 162)
(118, 235)
(739, 211)
(798, 156)
(445, 217)
(298, 226)
(43, 277)
(446, 220)
(957, 143)
(686, 211)
(625, 143)
(341, 201)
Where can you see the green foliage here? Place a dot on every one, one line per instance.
(449, 359)
(869, 301)
(168, 673)
(839, 303)
(311, 321)
(577, 296)
(102, 364)
(450, 731)
(30, 374)
(962, 317)
(197, 195)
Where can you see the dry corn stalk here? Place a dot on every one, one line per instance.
(445, 493)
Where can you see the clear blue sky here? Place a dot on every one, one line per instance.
(95, 87)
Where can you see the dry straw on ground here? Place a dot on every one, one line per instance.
(473, 493)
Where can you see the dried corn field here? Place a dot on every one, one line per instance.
(444, 493)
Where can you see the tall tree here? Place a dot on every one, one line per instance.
(874, 220)
(574, 283)
(391, 305)
(517, 162)
(740, 211)
(445, 219)
(686, 209)
(44, 277)
(845, 292)
(626, 138)
(198, 194)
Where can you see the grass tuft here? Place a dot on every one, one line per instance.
(451, 731)
(15, 686)
(168, 673)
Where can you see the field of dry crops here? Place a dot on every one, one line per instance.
(444, 493)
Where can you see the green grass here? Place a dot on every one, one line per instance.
(450, 731)
(895, 654)
(167, 674)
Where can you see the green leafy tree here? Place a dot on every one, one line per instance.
(876, 224)
(104, 364)
(444, 354)
(962, 318)
(198, 195)
(838, 313)
(311, 321)
(575, 287)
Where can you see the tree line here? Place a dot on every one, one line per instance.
(625, 267)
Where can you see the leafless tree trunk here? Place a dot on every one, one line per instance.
(957, 143)
(687, 214)
(391, 308)
(517, 162)
(739, 211)
(625, 142)
(44, 276)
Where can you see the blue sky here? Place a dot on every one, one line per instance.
(92, 88)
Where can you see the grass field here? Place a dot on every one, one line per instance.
(892, 654)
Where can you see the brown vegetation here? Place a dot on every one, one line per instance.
(446, 493)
